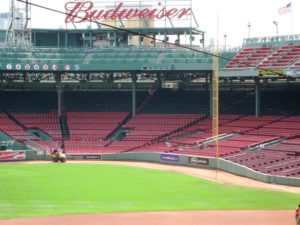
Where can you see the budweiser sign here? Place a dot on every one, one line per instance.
(81, 11)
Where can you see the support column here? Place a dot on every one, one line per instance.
(1, 78)
(58, 40)
(59, 94)
(257, 98)
(191, 38)
(210, 96)
(34, 37)
(206, 83)
(66, 39)
(91, 39)
(178, 39)
(115, 39)
(133, 76)
(231, 84)
(154, 42)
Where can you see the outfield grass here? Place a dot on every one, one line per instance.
(55, 189)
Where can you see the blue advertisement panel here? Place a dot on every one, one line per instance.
(169, 158)
(84, 157)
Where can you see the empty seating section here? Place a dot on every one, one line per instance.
(258, 55)
(156, 147)
(32, 110)
(235, 126)
(289, 57)
(284, 128)
(148, 128)
(192, 139)
(266, 57)
(18, 133)
(284, 147)
(272, 59)
(297, 63)
(242, 55)
(280, 158)
(10, 128)
(46, 122)
(89, 129)
(295, 141)
(279, 163)
(46, 145)
(167, 122)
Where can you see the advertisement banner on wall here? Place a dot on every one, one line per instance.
(83, 11)
(84, 157)
(198, 161)
(12, 155)
(293, 73)
(271, 73)
(169, 158)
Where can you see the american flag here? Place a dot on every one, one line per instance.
(285, 9)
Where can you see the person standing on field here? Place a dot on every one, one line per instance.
(297, 215)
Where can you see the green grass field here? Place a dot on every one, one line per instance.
(55, 189)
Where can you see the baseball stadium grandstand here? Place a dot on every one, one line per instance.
(109, 94)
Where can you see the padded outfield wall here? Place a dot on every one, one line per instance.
(185, 160)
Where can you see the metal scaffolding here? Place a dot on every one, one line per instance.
(19, 30)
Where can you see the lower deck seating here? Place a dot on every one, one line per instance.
(13, 130)
(46, 145)
(159, 128)
(47, 122)
(270, 162)
(281, 157)
(88, 130)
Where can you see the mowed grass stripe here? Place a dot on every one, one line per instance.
(55, 189)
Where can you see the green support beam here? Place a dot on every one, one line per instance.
(210, 96)
(58, 40)
(133, 95)
(257, 98)
(66, 40)
(59, 94)
(91, 39)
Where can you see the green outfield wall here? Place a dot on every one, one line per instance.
(184, 160)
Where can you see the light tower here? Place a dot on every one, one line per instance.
(19, 30)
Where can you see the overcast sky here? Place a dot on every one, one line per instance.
(234, 17)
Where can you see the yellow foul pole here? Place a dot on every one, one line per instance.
(215, 95)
